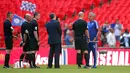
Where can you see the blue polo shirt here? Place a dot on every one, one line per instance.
(93, 29)
(67, 38)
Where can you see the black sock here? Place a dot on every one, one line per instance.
(79, 57)
(30, 60)
(86, 57)
(33, 55)
(22, 56)
(7, 57)
(27, 57)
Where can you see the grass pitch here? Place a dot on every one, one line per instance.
(70, 69)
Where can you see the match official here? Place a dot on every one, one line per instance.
(27, 32)
(8, 38)
(35, 39)
(80, 33)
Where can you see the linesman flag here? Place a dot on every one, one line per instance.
(17, 20)
(28, 6)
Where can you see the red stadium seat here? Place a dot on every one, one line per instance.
(96, 2)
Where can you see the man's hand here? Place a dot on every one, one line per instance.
(88, 40)
(16, 37)
(95, 39)
(22, 43)
(38, 43)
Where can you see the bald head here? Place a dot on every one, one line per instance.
(28, 17)
(81, 15)
(91, 16)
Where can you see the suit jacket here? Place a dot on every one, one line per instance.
(54, 32)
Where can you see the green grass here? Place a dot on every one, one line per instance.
(70, 69)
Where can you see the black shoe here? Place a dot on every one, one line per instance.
(88, 67)
(36, 67)
(57, 67)
(79, 66)
(49, 67)
(7, 67)
(31, 67)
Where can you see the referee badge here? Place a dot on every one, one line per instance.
(35, 28)
(26, 31)
(12, 28)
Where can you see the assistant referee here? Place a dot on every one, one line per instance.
(8, 37)
(35, 39)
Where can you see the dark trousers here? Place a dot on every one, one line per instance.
(54, 49)
(92, 47)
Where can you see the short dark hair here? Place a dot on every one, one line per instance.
(126, 31)
(9, 13)
(52, 15)
(35, 14)
(25, 17)
(57, 18)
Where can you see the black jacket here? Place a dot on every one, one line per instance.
(54, 32)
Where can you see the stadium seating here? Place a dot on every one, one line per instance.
(110, 12)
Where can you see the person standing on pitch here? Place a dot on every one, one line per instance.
(54, 40)
(80, 32)
(35, 39)
(8, 38)
(93, 28)
(26, 31)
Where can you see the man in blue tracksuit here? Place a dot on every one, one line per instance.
(93, 32)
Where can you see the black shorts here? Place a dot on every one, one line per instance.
(26, 47)
(34, 44)
(8, 43)
(81, 43)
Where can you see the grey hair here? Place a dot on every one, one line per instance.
(92, 13)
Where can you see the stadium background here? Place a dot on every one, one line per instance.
(67, 11)
(117, 9)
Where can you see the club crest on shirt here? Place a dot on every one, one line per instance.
(92, 23)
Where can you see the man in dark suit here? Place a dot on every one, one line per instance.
(54, 40)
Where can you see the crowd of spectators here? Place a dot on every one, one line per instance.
(112, 35)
